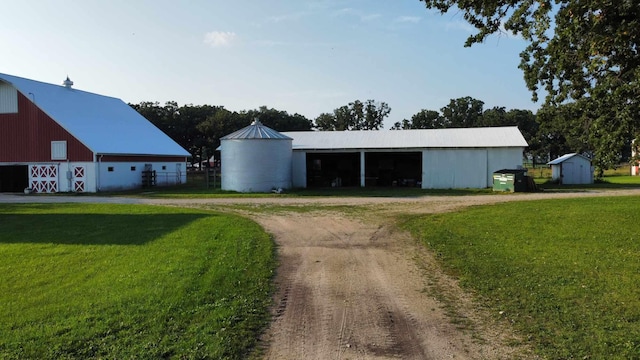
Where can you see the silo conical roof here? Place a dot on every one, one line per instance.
(256, 131)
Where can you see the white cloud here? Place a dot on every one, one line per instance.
(287, 17)
(219, 38)
(369, 17)
(460, 25)
(344, 11)
(408, 19)
(364, 17)
(272, 43)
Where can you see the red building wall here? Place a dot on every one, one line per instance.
(27, 135)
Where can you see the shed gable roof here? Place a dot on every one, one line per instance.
(566, 157)
(106, 125)
(493, 137)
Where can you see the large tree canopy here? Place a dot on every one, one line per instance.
(355, 116)
(580, 52)
(198, 128)
(469, 112)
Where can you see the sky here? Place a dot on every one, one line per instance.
(305, 57)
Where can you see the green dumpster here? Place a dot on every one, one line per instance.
(511, 180)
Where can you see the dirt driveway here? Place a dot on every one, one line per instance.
(351, 286)
(356, 289)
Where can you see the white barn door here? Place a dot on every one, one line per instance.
(79, 178)
(43, 178)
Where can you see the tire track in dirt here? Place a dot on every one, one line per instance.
(351, 292)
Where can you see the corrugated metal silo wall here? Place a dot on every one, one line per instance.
(255, 165)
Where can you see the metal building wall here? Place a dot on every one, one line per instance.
(466, 168)
(110, 176)
(299, 169)
(502, 158)
(574, 171)
(454, 168)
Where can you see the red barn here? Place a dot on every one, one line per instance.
(54, 138)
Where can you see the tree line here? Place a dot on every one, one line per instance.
(582, 58)
(198, 128)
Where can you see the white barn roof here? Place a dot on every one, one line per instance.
(493, 137)
(566, 157)
(104, 124)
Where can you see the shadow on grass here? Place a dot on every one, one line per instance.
(90, 229)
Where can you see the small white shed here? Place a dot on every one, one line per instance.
(572, 169)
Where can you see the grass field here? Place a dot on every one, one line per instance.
(564, 272)
(126, 281)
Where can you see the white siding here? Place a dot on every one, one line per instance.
(123, 177)
(299, 169)
(502, 158)
(8, 99)
(68, 176)
(454, 168)
(575, 170)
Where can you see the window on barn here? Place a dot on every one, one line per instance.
(110, 169)
(164, 167)
(9, 96)
(58, 150)
(133, 168)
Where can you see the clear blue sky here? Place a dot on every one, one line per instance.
(304, 57)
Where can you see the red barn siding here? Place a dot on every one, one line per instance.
(27, 135)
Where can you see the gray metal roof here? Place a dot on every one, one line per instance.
(256, 131)
(104, 124)
(566, 157)
(492, 137)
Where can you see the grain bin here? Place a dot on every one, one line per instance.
(255, 159)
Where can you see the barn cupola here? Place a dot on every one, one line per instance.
(67, 83)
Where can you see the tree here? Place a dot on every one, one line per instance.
(198, 128)
(496, 116)
(425, 119)
(527, 123)
(163, 117)
(375, 114)
(325, 122)
(277, 119)
(579, 52)
(462, 112)
(220, 123)
(354, 116)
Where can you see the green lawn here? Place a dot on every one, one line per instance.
(564, 272)
(124, 281)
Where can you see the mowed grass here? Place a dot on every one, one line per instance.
(126, 281)
(564, 272)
